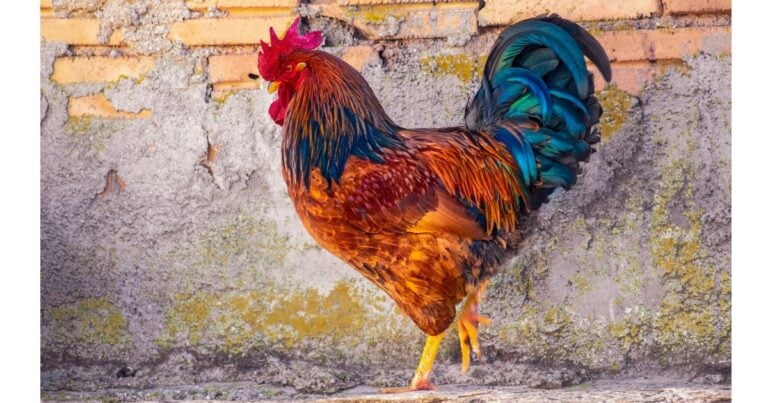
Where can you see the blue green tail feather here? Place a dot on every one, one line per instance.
(536, 73)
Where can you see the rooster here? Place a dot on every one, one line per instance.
(427, 214)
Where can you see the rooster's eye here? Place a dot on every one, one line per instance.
(288, 67)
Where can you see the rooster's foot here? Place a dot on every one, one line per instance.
(469, 319)
(421, 378)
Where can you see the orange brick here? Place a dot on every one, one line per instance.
(46, 3)
(70, 70)
(378, 2)
(99, 106)
(632, 77)
(359, 56)
(696, 6)
(661, 44)
(75, 31)
(505, 12)
(221, 90)
(227, 31)
(232, 68)
(428, 20)
(224, 4)
(259, 12)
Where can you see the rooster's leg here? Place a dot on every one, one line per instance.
(469, 319)
(421, 378)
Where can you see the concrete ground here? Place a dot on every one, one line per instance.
(623, 390)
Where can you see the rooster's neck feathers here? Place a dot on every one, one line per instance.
(333, 115)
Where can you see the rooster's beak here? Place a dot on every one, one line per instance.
(273, 86)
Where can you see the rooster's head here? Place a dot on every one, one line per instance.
(283, 68)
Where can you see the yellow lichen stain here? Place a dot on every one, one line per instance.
(550, 316)
(680, 66)
(524, 329)
(190, 314)
(480, 67)
(273, 316)
(556, 334)
(337, 315)
(221, 96)
(578, 226)
(601, 251)
(78, 126)
(692, 320)
(245, 251)
(242, 234)
(96, 131)
(724, 305)
(90, 321)
(377, 14)
(523, 278)
(375, 17)
(631, 330)
(463, 66)
(616, 103)
(689, 313)
(555, 318)
(581, 283)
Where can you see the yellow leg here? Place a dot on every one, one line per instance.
(421, 378)
(469, 319)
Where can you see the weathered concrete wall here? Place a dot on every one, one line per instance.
(169, 243)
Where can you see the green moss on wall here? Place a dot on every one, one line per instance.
(462, 66)
(235, 252)
(97, 132)
(281, 319)
(238, 295)
(94, 324)
(689, 323)
(616, 104)
(378, 14)
(245, 233)
(692, 319)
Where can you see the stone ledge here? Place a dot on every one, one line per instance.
(525, 394)
(626, 390)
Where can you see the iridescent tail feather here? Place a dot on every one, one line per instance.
(536, 73)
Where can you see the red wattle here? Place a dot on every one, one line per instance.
(279, 107)
(277, 112)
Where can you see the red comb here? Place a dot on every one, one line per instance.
(271, 54)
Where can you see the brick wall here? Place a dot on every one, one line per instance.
(643, 37)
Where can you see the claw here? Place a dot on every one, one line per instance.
(468, 334)
(417, 386)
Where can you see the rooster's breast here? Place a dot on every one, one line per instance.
(421, 272)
